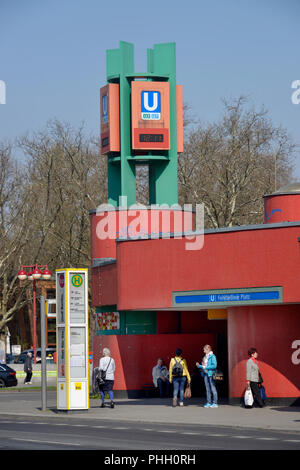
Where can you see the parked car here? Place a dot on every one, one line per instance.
(9, 359)
(49, 355)
(7, 376)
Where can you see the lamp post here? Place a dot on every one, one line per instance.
(33, 275)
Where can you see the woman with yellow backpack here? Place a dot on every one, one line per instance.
(178, 375)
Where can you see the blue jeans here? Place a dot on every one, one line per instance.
(211, 391)
(178, 385)
(164, 387)
(107, 387)
(110, 393)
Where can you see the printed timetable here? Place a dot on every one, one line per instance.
(77, 298)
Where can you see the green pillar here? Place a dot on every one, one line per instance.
(163, 174)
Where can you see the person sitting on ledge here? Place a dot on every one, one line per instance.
(160, 376)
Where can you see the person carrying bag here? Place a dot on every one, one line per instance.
(179, 375)
(106, 377)
(208, 369)
(253, 377)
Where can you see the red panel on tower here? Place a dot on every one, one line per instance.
(110, 118)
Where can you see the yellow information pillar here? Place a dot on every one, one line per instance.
(72, 339)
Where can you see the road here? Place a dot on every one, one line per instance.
(143, 425)
(63, 433)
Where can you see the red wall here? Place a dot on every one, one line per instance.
(188, 322)
(104, 285)
(196, 321)
(282, 208)
(168, 322)
(124, 223)
(136, 355)
(149, 271)
(272, 330)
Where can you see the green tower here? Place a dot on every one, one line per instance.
(162, 157)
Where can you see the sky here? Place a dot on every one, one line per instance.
(53, 56)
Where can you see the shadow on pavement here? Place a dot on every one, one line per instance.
(289, 409)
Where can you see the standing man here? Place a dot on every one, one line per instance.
(28, 368)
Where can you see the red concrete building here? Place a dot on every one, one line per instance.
(163, 296)
(155, 285)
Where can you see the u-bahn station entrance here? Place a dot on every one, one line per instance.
(159, 282)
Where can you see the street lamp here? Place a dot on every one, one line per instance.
(33, 275)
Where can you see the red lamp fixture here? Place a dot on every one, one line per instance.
(35, 273)
(22, 275)
(46, 274)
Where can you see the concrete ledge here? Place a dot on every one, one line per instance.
(69, 412)
(234, 401)
(272, 401)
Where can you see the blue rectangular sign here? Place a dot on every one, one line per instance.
(227, 297)
(104, 109)
(237, 297)
(151, 105)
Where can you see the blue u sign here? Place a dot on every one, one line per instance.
(150, 105)
(104, 109)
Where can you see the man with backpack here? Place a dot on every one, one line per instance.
(178, 375)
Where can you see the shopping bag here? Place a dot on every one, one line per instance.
(218, 376)
(248, 397)
(187, 392)
(262, 392)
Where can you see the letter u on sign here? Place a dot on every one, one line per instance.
(150, 101)
(104, 109)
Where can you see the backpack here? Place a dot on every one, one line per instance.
(177, 370)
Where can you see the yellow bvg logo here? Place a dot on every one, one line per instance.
(77, 280)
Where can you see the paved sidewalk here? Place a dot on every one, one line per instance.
(157, 410)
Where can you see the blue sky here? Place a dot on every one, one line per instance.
(52, 56)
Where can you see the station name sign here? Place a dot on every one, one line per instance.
(226, 297)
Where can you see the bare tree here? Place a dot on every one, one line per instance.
(231, 164)
(69, 176)
(44, 206)
(14, 234)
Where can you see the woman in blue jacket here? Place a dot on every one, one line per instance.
(208, 367)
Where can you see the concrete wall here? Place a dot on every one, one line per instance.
(136, 355)
(275, 332)
(150, 270)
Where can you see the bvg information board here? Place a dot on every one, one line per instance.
(72, 339)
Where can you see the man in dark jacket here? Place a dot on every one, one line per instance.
(28, 368)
